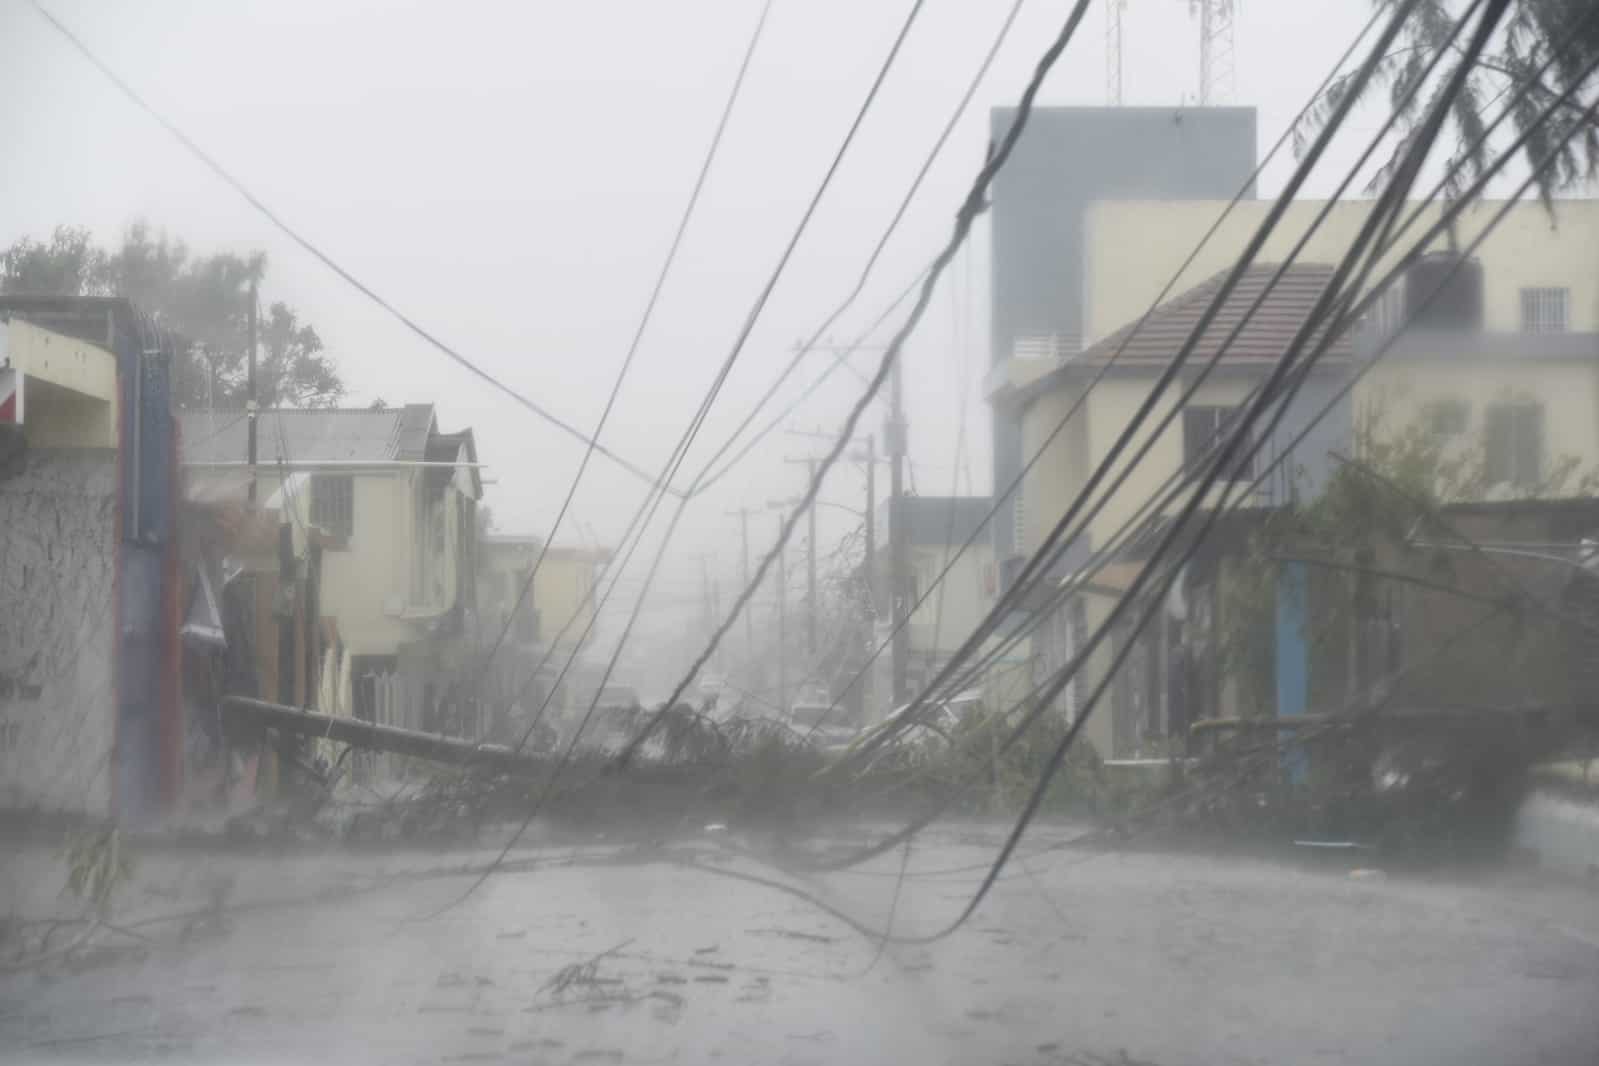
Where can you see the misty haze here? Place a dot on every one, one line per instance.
(1036, 531)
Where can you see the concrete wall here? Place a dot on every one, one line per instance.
(57, 583)
(1131, 249)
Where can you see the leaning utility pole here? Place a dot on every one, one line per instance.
(250, 398)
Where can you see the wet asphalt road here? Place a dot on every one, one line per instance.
(1078, 957)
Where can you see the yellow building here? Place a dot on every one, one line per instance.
(1521, 385)
(1505, 365)
(1132, 248)
(395, 502)
(550, 631)
(561, 608)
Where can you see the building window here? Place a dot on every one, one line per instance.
(1544, 310)
(1203, 429)
(1018, 519)
(1513, 444)
(1447, 418)
(333, 503)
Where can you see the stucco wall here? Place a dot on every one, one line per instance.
(1396, 394)
(1062, 468)
(57, 558)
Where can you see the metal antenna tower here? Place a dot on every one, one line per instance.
(1217, 69)
(1113, 51)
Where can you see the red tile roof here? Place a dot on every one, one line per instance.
(1264, 338)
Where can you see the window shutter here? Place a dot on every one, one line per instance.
(1497, 444)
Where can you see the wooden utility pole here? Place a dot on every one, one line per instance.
(810, 560)
(250, 405)
(871, 519)
(862, 692)
(782, 619)
(810, 569)
(869, 457)
(743, 514)
(898, 542)
(707, 619)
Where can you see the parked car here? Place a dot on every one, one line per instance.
(817, 717)
(934, 723)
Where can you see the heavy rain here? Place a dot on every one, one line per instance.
(1037, 531)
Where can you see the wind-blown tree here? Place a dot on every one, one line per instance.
(204, 299)
(1531, 32)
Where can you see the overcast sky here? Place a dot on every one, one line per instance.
(510, 175)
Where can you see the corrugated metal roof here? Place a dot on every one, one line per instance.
(1264, 337)
(309, 436)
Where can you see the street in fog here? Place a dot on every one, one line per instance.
(1079, 957)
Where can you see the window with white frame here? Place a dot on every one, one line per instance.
(1545, 310)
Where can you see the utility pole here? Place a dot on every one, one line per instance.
(810, 560)
(250, 398)
(869, 457)
(782, 619)
(871, 519)
(743, 514)
(707, 618)
(780, 506)
(898, 584)
(810, 569)
(898, 544)
(862, 693)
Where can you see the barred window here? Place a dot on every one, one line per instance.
(333, 503)
(1544, 310)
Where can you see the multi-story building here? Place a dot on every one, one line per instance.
(1503, 363)
(553, 625)
(392, 502)
(1070, 158)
